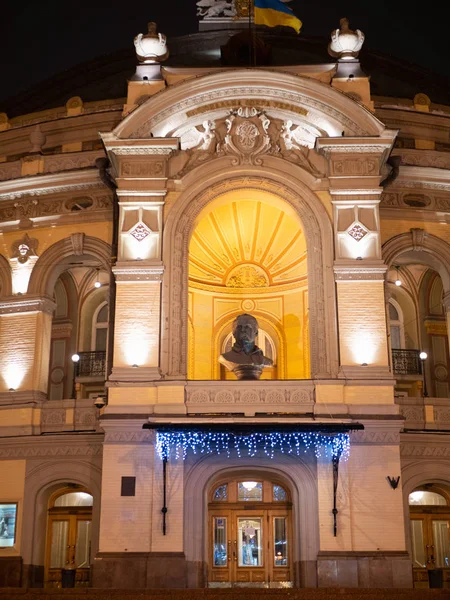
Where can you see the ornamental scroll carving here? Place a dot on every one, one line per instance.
(246, 134)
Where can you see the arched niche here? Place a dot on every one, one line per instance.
(5, 277)
(181, 221)
(56, 259)
(200, 98)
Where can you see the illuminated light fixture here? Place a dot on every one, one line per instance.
(135, 366)
(228, 443)
(364, 365)
(415, 496)
(423, 357)
(359, 258)
(12, 390)
(97, 283)
(398, 281)
(75, 358)
(249, 485)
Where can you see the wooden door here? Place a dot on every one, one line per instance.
(430, 537)
(249, 546)
(68, 546)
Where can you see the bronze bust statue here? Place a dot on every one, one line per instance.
(245, 359)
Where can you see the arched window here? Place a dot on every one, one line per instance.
(100, 328)
(396, 325)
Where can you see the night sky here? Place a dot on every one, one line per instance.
(40, 38)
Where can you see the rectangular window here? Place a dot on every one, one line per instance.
(8, 515)
(250, 542)
(128, 486)
(220, 542)
(280, 542)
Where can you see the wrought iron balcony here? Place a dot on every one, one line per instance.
(91, 364)
(406, 362)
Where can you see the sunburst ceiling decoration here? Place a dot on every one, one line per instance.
(247, 244)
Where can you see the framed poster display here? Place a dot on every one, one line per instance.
(8, 517)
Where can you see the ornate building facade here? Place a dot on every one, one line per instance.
(133, 231)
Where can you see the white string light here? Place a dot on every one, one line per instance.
(178, 443)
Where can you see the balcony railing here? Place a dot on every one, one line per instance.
(91, 364)
(406, 362)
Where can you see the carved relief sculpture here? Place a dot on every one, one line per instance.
(216, 8)
(345, 43)
(245, 359)
(24, 249)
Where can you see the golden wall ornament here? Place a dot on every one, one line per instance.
(242, 8)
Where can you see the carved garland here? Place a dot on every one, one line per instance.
(177, 292)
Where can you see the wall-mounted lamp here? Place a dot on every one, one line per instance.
(97, 283)
(393, 481)
(75, 358)
(364, 364)
(398, 281)
(135, 366)
(423, 357)
(359, 258)
(12, 390)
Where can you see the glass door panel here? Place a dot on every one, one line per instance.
(280, 543)
(418, 543)
(220, 558)
(83, 544)
(441, 542)
(250, 542)
(59, 544)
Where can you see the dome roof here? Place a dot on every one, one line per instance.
(106, 77)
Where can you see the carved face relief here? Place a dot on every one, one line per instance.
(25, 248)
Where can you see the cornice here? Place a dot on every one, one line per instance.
(360, 272)
(54, 447)
(422, 178)
(26, 304)
(355, 145)
(136, 272)
(41, 185)
(139, 147)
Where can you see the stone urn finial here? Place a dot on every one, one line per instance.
(37, 139)
(151, 48)
(345, 43)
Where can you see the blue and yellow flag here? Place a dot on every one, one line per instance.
(273, 13)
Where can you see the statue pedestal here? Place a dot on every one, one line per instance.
(247, 372)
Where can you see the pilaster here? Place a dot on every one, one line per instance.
(355, 167)
(25, 333)
(141, 171)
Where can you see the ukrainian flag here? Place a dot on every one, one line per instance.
(273, 13)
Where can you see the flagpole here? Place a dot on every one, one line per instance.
(250, 41)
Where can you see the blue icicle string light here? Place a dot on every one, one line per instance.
(214, 442)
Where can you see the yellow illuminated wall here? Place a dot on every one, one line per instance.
(248, 254)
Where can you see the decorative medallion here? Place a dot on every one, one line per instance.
(248, 305)
(357, 232)
(247, 276)
(140, 232)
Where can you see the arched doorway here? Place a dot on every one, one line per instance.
(249, 533)
(68, 544)
(429, 509)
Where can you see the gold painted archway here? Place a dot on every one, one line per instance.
(248, 254)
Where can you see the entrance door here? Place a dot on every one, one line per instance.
(249, 540)
(68, 553)
(430, 535)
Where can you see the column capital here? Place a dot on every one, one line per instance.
(364, 270)
(26, 304)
